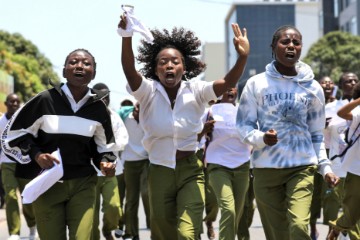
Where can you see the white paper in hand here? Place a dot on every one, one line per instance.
(44, 181)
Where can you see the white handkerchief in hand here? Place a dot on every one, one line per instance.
(44, 181)
(134, 25)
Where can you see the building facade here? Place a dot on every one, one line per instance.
(262, 18)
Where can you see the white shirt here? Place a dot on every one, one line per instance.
(3, 122)
(134, 149)
(335, 133)
(75, 105)
(351, 161)
(168, 130)
(226, 148)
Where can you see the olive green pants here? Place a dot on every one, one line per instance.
(136, 179)
(230, 187)
(248, 213)
(122, 188)
(350, 219)
(177, 200)
(11, 185)
(316, 202)
(107, 188)
(283, 199)
(211, 206)
(67, 204)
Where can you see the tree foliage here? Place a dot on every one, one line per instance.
(333, 54)
(30, 68)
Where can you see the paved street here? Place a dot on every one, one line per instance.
(256, 230)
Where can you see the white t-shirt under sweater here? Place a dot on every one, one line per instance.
(3, 122)
(292, 105)
(335, 132)
(134, 149)
(168, 130)
(226, 148)
(351, 162)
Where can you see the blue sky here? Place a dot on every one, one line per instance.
(57, 27)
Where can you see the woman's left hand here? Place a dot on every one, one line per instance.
(331, 179)
(108, 169)
(241, 41)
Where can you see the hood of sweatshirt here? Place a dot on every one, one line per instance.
(305, 74)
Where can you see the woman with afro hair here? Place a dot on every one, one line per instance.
(170, 115)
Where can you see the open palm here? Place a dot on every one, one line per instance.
(241, 41)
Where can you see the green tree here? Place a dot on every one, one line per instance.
(333, 54)
(30, 68)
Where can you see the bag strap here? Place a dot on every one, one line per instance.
(349, 142)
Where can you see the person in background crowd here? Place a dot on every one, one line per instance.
(282, 115)
(350, 217)
(328, 87)
(126, 102)
(211, 206)
(73, 119)
(336, 132)
(170, 114)
(107, 187)
(12, 184)
(136, 165)
(228, 165)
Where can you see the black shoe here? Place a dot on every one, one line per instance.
(136, 238)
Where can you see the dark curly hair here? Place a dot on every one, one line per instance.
(183, 40)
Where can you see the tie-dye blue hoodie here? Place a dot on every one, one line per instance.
(294, 107)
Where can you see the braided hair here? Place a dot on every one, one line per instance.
(81, 50)
(277, 35)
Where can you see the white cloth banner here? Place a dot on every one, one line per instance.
(44, 181)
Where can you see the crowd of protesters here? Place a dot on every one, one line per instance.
(290, 144)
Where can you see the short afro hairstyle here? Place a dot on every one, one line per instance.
(183, 40)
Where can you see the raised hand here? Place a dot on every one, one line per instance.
(240, 40)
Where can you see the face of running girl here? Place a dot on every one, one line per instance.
(229, 96)
(170, 67)
(288, 48)
(79, 69)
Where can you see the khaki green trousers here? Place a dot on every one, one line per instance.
(136, 180)
(107, 188)
(177, 200)
(230, 187)
(67, 204)
(11, 184)
(248, 213)
(283, 198)
(350, 219)
(122, 188)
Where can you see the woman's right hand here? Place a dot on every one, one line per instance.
(46, 160)
(123, 22)
(270, 137)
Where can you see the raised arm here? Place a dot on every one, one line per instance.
(345, 111)
(242, 47)
(133, 77)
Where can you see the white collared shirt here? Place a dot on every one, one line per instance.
(76, 105)
(167, 130)
(134, 150)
